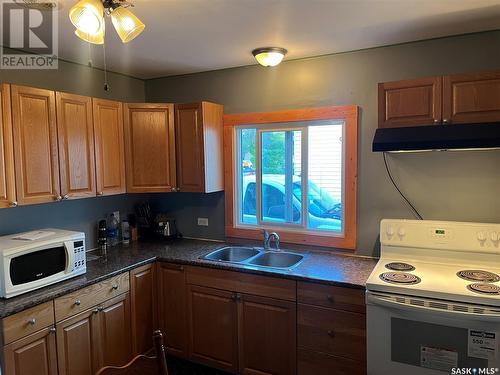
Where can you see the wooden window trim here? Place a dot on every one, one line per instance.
(349, 114)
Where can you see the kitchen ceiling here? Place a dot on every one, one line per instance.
(187, 36)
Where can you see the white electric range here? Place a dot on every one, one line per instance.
(433, 299)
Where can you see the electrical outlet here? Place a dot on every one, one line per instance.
(117, 215)
(203, 221)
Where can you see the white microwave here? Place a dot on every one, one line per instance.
(32, 260)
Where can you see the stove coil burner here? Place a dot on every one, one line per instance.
(479, 275)
(400, 278)
(482, 288)
(399, 266)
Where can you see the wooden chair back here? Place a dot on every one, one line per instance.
(142, 364)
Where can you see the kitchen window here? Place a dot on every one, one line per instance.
(293, 172)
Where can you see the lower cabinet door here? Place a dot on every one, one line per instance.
(267, 336)
(213, 323)
(316, 363)
(114, 330)
(34, 354)
(78, 344)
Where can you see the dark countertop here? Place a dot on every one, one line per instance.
(330, 268)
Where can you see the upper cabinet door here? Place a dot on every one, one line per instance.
(471, 98)
(76, 145)
(109, 147)
(35, 145)
(189, 147)
(7, 179)
(150, 145)
(198, 138)
(409, 103)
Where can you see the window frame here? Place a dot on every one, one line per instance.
(347, 114)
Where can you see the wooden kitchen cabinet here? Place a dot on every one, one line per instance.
(213, 322)
(471, 98)
(114, 331)
(7, 177)
(410, 103)
(75, 132)
(33, 354)
(199, 147)
(109, 147)
(35, 145)
(143, 306)
(267, 336)
(172, 308)
(150, 147)
(78, 344)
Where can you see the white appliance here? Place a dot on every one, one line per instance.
(433, 299)
(32, 260)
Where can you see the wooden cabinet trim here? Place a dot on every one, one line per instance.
(235, 281)
(331, 296)
(7, 176)
(85, 155)
(41, 176)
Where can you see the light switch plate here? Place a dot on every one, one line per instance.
(203, 221)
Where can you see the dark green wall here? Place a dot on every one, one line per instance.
(446, 186)
(80, 214)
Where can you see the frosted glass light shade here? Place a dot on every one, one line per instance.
(126, 24)
(88, 17)
(269, 56)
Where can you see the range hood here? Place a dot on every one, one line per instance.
(438, 137)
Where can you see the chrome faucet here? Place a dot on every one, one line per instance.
(268, 237)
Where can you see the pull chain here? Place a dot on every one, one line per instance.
(106, 86)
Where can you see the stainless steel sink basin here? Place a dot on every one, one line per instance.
(276, 259)
(232, 254)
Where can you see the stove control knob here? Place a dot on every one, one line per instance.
(494, 237)
(390, 231)
(401, 232)
(481, 236)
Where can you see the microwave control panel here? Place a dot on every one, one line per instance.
(79, 249)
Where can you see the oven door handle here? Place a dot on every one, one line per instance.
(381, 300)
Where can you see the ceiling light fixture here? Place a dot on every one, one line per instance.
(269, 56)
(88, 18)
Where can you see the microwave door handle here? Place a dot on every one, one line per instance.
(394, 305)
(70, 255)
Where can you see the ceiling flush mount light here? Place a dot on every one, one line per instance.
(88, 18)
(269, 56)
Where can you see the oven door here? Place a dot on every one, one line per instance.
(37, 267)
(417, 336)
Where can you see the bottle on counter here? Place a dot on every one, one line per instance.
(113, 226)
(125, 232)
(102, 241)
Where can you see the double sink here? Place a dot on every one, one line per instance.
(255, 256)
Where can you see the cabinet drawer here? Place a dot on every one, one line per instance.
(331, 296)
(92, 295)
(263, 286)
(314, 363)
(27, 322)
(332, 331)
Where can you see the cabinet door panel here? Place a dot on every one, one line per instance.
(172, 305)
(150, 144)
(143, 307)
(409, 103)
(35, 145)
(317, 363)
(75, 131)
(190, 148)
(34, 354)
(109, 147)
(267, 339)
(213, 328)
(7, 178)
(78, 344)
(471, 98)
(114, 321)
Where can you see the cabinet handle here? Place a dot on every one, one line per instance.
(436, 121)
(13, 204)
(100, 308)
(236, 297)
(95, 311)
(58, 198)
(177, 189)
(52, 330)
(78, 302)
(100, 193)
(331, 333)
(330, 298)
(445, 121)
(32, 321)
(66, 196)
(114, 286)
